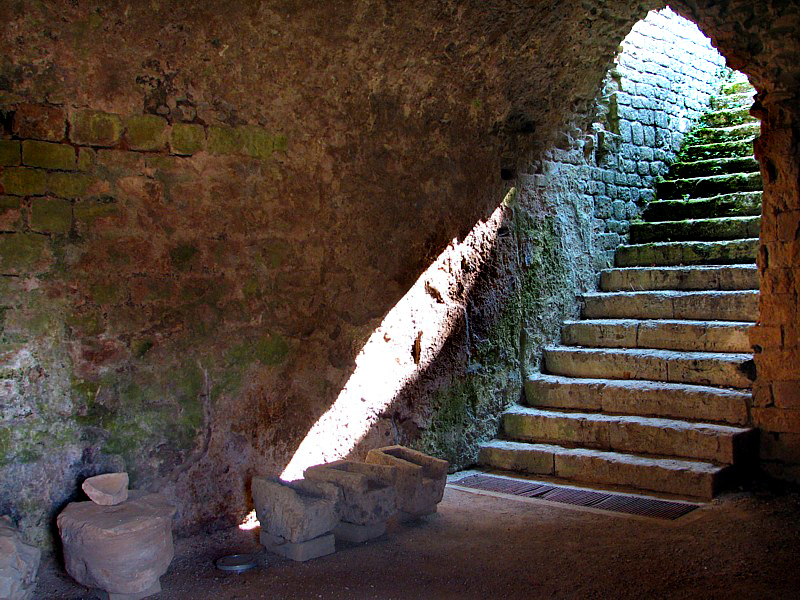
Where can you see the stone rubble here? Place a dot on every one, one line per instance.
(19, 563)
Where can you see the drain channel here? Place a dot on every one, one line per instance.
(620, 503)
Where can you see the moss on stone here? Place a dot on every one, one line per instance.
(48, 155)
(145, 132)
(271, 350)
(5, 445)
(88, 211)
(9, 153)
(51, 215)
(256, 141)
(181, 256)
(24, 182)
(21, 253)
(186, 139)
(94, 128)
(224, 140)
(141, 347)
(68, 185)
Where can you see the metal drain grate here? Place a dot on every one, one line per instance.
(632, 505)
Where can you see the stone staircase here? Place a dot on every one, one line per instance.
(651, 389)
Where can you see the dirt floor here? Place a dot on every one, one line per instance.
(744, 545)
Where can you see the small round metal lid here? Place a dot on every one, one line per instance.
(236, 563)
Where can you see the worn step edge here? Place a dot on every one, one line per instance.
(740, 251)
(700, 152)
(699, 277)
(663, 334)
(682, 477)
(721, 444)
(639, 397)
(702, 368)
(727, 305)
(714, 229)
(711, 167)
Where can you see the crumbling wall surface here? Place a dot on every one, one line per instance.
(762, 39)
(208, 207)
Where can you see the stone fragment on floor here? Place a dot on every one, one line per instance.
(108, 489)
(19, 563)
(297, 517)
(122, 549)
(419, 482)
(368, 492)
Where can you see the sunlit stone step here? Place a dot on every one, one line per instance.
(716, 135)
(700, 277)
(628, 433)
(726, 101)
(724, 252)
(699, 368)
(739, 305)
(727, 117)
(664, 334)
(724, 228)
(673, 476)
(702, 152)
(638, 397)
(714, 166)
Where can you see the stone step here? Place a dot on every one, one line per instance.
(739, 148)
(733, 100)
(638, 397)
(726, 117)
(741, 204)
(738, 305)
(716, 135)
(724, 252)
(738, 86)
(681, 477)
(629, 433)
(698, 368)
(722, 228)
(714, 166)
(713, 185)
(700, 277)
(663, 334)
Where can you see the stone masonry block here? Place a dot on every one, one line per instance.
(51, 215)
(24, 182)
(292, 512)
(358, 534)
(9, 153)
(186, 139)
(420, 478)
(299, 551)
(23, 253)
(145, 132)
(68, 185)
(94, 128)
(256, 141)
(224, 140)
(48, 155)
(40, 122)
(368, 492)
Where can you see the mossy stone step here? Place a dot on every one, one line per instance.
(706, 305)
(727, 101)
(638, 397)
(627, 433)
(739, 204)
(716, 135)
(698, 277)
(697, 152)
(738, 87)
(714, 166)
(668, 475)
(728, 117)
(703, 187)
(723, 228)
(688, 253)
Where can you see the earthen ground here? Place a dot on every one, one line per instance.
(743, 545)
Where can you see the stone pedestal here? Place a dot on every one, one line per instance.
(122, 549)
(296, 518)
(419, 481)
(19, 563)
(368, 496)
